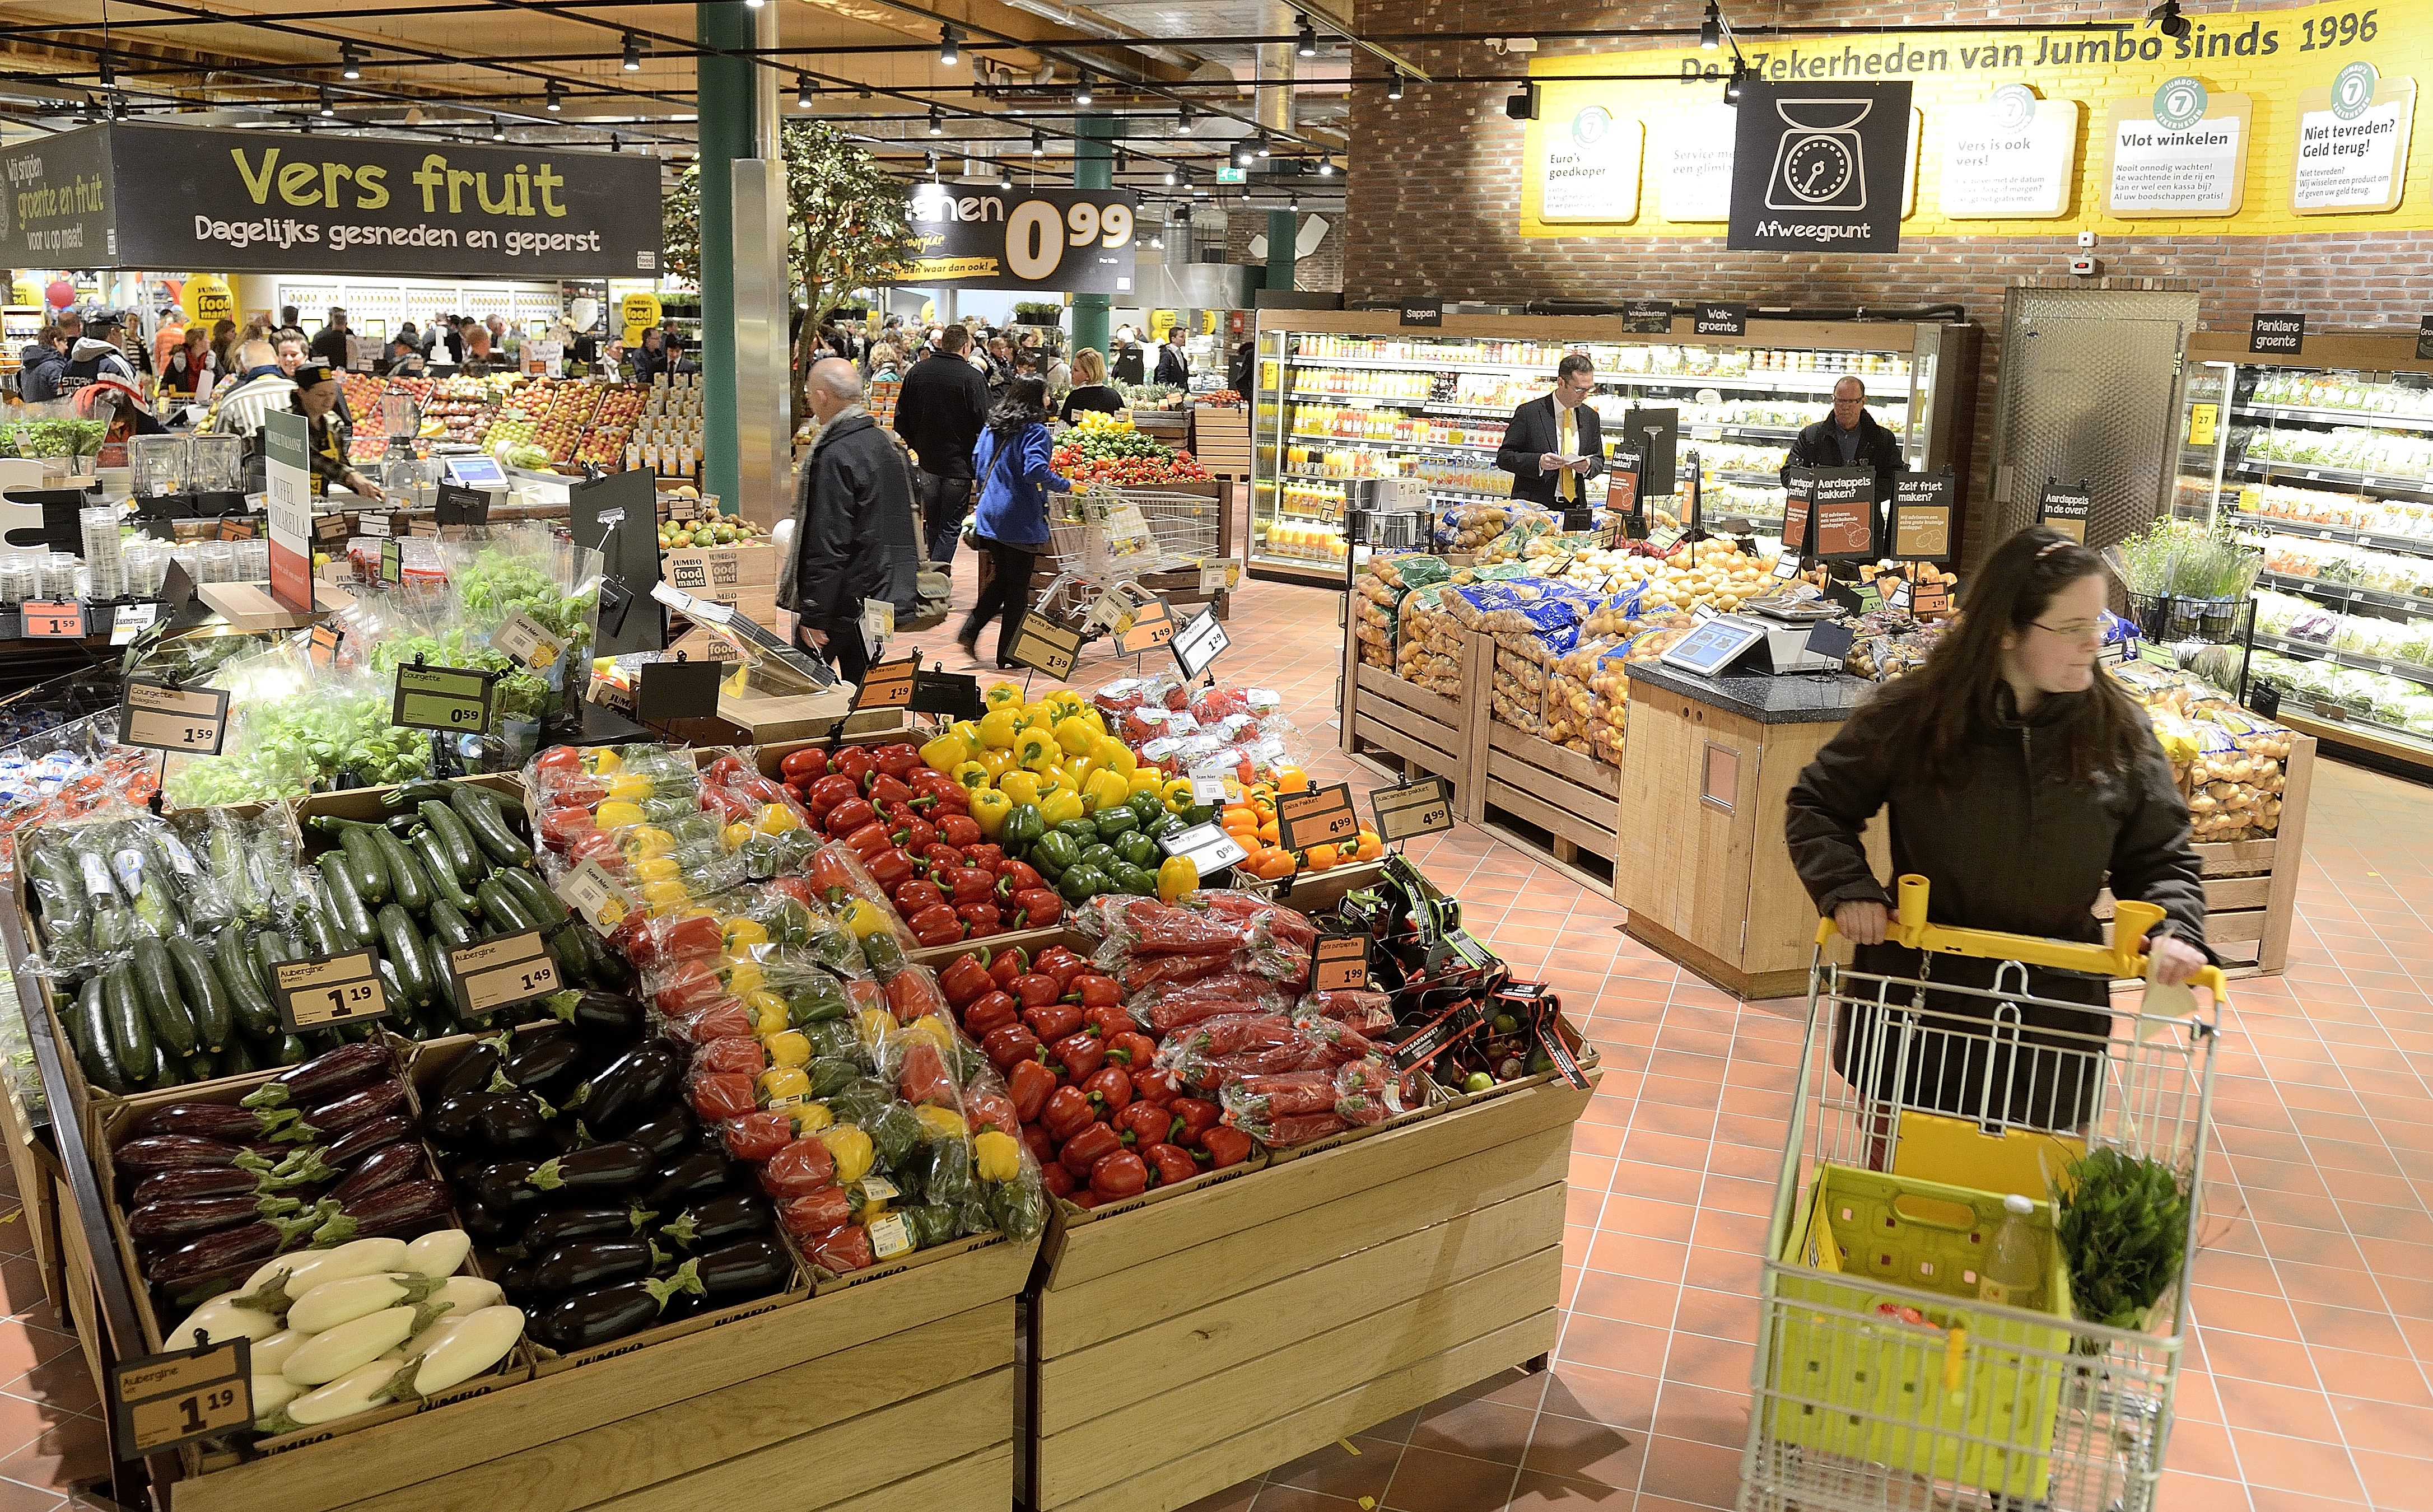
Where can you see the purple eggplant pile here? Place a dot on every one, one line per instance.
(324, 1152)
(577, 1165)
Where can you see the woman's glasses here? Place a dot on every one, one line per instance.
(2071, 630)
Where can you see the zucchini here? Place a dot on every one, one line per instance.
(406, 883)
(349, 919)
(247, 999)
(214, 1020)
(432, 852)
(422, 791)
(443, 986)
(312, 923)
(534, 897)
(370, 866)
(289, 1051)
(456, 839)
(58, 884)
(449, 928)
(402, 945)
(238, 1057)
(88, 1026)
(501, 908)
(172, 1022)
(168, 1070)
(270, 947)
(203, 1066)
(131, 1032)
(569, 956)
(480, 811)
(226, 853)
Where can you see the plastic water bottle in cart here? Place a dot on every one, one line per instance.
(2014, 1273)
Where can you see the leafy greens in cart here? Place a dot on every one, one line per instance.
(2124, 1222)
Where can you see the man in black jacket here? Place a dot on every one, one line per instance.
(1542, 432)
(853, 525)
(940, 413)
(330, 341)
(1848, 438)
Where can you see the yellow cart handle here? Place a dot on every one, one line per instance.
(2123, 958)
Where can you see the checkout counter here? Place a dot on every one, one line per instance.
(1719, 728)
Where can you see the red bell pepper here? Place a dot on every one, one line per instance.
(1145, 1124)
(730, 807)
(1034, 989)
(892, 866)
(1134, 1051)
(866, 842)
(1226, 1146)
(1197, 1114)
(725, 769)
(1154, 1084)
(806, 765)
(917, 895)
(1060, 965)
(1058, 1181)
(1011, 875)
(991, 1010)
(924, 1078)
(1117, 1177)
(959, 829)
(1110, 1087)
(558, 761)
(919, 837)
(1066, 1112)
(743, 1056)
(1171, 1163)
(1108, 1020)
(911, 992)
(1080, 1054)
(831, 874)
(685, 938)
(940, 856)
(851, 815)
(990, 1110)
(755, 1136)
(1088, 1145)
(727, 1095)
(965, 979)
(854, 761)
(1010, 1044)
(1007, 964)
(1040, 905)
(898, 761)
(935, 925)
(592, 845)
(1094, 989)
(980, 919)
(832, 789)
(968, 884)
(1034, 1139)
(885, 790)
(984, 853)
(1031, 1083)
(841, 1252)
(820, 1211)
(560, 827)
(1052, 1022)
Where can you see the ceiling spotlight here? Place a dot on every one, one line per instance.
(937, 122)
(1710, 31)
(1394, 85)
(1185, 178)
(1326, 165)
(1182, 120)
(947, 39)
(1082, 94)
(1123, 160)
(1170, 177)
(805, 91)
(350, 63)
(1295, 205)
(1004, 176)
(1244, 153)
(632, 59)
(556, 97)
(327, 108)
(754, 5)
(615, 142)
(498, 129)
(1732, 88)
(2166, 16)
(1305, 40)
(307, 128)
(1038, 143)
(1156, 242)
(933, 168)
(1265, 147)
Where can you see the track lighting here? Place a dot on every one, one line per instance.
(948, 55)
(1123, 160)
(1394, 85)
(1038, 143)
(633, 59)
(1170, 177)
(2167, 17)
(1184, 175)
(1326, 165)
(933, 168)
(615, 142)
(1265, 148)
(498, 129)
(1244, 153)
(754, 5)
(1710, 31)
(805, 91)
(350, 63)
(1004, 176)
(1082, 94)
(1182, 120)
(307, 128)
(1521, 104)
(327, 108)
(1294, 205)
(1732, 87)
(1305, 40)
(556, 100)
(937, 122)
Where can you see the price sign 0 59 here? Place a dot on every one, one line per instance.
(1421, 807)
(162, 1400)
(1322, 816)
(495, 972)
(326, 990)
(192, 721)
(453, 699)
(60, 621)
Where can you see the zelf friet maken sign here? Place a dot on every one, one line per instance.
(170, 197)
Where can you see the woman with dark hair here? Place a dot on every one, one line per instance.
(2021, 780)
(1010, 524)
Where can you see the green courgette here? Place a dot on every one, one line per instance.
(409, 794)
(370, 866)
(432, 852)
(214, 1019)
(156, 982)
(501, 908)
(534, 897)
(456, 839)
(168, 1070)
(247, 999)
(402, 945)
(238, 1057)
(270, 947)
(405, 881)
(88, 1026)
(349, 918)
(443, 983)
(480, 811)
(450, 929)
(203, 1066)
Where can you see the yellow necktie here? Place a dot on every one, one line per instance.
(1567, 486)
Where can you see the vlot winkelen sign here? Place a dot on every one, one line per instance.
(167, 196)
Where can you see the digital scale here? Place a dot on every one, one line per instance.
(1771, 639)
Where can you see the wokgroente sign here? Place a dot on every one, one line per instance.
(162, 196)
(2258, 123)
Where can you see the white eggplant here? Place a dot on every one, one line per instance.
(432, 1337)
(438, 1253)
(359, 1390)
(333, 1302)
(472, 1347)
(351, 1346)
(272, 1392)
(270, 1355)
(272, 1291)
(223, 1320)
(466, 1293)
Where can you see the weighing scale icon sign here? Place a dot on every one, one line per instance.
(1818, 164)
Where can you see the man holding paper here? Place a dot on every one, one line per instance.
(1552, 446)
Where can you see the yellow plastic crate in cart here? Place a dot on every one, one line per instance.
(1970, 1400)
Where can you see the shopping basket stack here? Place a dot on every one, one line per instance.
(1882, 1378)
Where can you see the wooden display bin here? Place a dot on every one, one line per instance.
(1296, 1304)
(1573, 800)
(1410, 731)
(2252, 885)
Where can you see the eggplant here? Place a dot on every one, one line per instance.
(511, 1121)
(169, 1152)
(361, 1140)
(234, 1248)
(550, 1066)
(584, 1264)
(408, 1207)
(609, 1017)
(752, 1267)
(594, 1318)
(632, 1089)
(361, 1106)
(324, 1078)
(202, 1181)
(565, 1225)
(721, 1219)
(384, 1168)
(483, 1224)
(450, 1121)
(470, 1072)
(222, 1121)
(505, 1186)
(600, 1171)
(183, 1218)
(700, 1174)
(669, 1134)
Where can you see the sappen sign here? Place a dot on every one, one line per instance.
(1427, 312)
(174, 196)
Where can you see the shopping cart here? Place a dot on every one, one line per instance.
(1883, 1381)
(1111, 538)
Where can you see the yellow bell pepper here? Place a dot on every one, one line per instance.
(660, 895)
(1113, 754)
(1145, 779)
(1035, 749)
(850, 1148)
(1176, 876)
(658, 869)
(973, 775)
(1074, 734)
(967, 731)
(1077, 772)
(1176, 794)
(938, 1123)
(617, 814)
(998, 762)
(999, 727)
(643, 842)
(932, 1028)
(745, 932)
(600, 760)
(1020, 785)
(762, 1002)
(872, 1025)
(864, 918)
(1002, 695)
(734, 835)
(789, 1046)
(995, 1156)
(1059, 807)
(1064, 702)
(810, 1117)
(989, 808)
(743, 974)
(784, 1082)
(776, 819)
(1039, 717)
(1105, 789)
(629, 786)
(946, 752)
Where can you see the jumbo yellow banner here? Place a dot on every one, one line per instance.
(2255, 123)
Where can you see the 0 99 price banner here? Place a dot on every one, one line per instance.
(1080, 241)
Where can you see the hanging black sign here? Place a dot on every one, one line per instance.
(1080, 241)
(2424, 339)
(1719, 317)
(2066, 509)
(1423, 311)
(1648, 317)
(2277, 334)
(1819, 167)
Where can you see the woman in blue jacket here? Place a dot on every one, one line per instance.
(1011, 523)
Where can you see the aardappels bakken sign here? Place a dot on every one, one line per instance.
(165, 197)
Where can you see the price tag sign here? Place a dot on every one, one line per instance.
(132, 620)
(1406, 811)
(1152, 625)
(1930, 598)
(950, 696)
(329, 529)
(57, 621)
(1200, 642)
(2264, 699)
(191, 720)
(1210, 848)
(392, 567)
(888, 683)
(1339, 963)
(528, 641)
(496, 973)
(160, 1402)
(325, 990)
(1870, 596)
(589, 891)
(457, 505)
(1045, 646)
(1322, 816)
(235, 528)
(373, 525)
(1215, 577)
(321, 649)
(1831, 637)
(457, 700)
(1665, 539)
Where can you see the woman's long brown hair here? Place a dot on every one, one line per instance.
(1938, 712)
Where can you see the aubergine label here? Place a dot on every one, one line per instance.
(1421, 807)
(320, 991)
(1320, 816)
(495, 972)
(163, 1401)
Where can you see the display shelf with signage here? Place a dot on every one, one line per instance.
(2323, 461)
(1344, 395)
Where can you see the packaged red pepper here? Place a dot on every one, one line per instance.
(802, 1167)
(842, 1250)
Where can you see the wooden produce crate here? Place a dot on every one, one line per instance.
(1551, 799)
(1409, 731)
(1294, 1305)
(2252, 885)
(1220, 439)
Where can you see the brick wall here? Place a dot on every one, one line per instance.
(1436, 195)
(1319, 272)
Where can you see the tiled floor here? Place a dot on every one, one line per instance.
(2307, 1383)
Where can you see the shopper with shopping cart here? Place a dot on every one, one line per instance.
(1011, 463)
(2021, 780)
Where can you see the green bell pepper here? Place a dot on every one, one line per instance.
(1116, 820)
(1198, 814)
(1147, 809)
(817, 1001)
(1083, 830)
(1056, 849)
(1130, 879)
(1081, 883)
(836, 949)
(1136, 848)
(1022, 823)
(882, 953)
(1168, 827)
(1100, 855)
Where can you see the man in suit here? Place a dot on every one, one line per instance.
(1543, 432)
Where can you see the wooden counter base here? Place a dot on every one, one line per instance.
(1747, 986)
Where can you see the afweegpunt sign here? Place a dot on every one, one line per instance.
(169, 197)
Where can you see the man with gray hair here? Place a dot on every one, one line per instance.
(264, 388)
(853, 525)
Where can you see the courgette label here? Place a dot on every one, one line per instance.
(320, 991)
(496, 973)
(192, 721)
(162, 1400)
(457, 700)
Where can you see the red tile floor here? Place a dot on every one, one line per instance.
(2306, 1387)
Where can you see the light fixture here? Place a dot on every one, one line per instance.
(1155, 243)
(2166, 16)
(1732, 87)
(937, 122)
(1305, 40)
(1082, 94)
(498, 129)
(948, 55)
(1182, 120)
(805, 91)
(1185, 177)
(1123, 160)
(1326, 165)
(1265, 148)
(1295, 204)
(556, 100)
(307, 128)
(1521, 104)
(1004, 175)
(1169, 175)
(327, 108)
(1394, 85)
(1244, 153)
(1710, 31)
(1038, 143)
(754, 5)
(933, 168)
(632, 59)
(350, 63)
(615, 142)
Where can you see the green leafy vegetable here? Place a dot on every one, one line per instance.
(2124, 1222)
